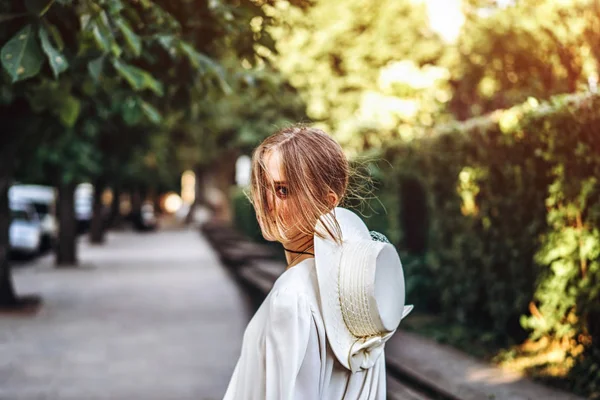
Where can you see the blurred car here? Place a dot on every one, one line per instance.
(43, 199)
(148, 220)
(25, 231)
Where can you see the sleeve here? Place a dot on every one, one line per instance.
(287, 335)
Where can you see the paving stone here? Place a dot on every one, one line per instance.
(146, 316)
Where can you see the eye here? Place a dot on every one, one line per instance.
(282, 191)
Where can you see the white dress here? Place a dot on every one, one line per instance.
(285, 353)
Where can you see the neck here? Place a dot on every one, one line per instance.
(302, 244)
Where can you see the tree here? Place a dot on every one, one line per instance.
(70, 87)
(58, 60)
(80, 69)
(367, 75)
(527, 49)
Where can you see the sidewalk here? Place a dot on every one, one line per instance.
(146, 316)
(450, 372)
(461, 376)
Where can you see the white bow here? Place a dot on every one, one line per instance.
(366, 351)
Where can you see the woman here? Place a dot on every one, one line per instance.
(320, 332)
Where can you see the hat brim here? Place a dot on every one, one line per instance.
(327, 263)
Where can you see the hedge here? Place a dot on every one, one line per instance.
(510, 207)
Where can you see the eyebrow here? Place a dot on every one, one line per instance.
(279, 182)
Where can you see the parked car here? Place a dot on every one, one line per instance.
(145, 219)
(25, 231)
(43, 199)
(149, 219)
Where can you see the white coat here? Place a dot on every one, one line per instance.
(285, 353)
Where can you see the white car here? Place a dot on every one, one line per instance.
(43, 199)
(149, 220)
(25, 231)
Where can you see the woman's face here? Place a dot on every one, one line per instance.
(277, 200)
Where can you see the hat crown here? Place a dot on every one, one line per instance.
(356, 287)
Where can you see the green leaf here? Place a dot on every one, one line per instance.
(131, 38)
(56, 36)
(197, 59)
(131, 111)
(225, 87)
(205, 64)
(95, 68)
(137, 77)
(151, 112)
(168, 42)
(69, 108)
(21, 56)
(38, 7)
(101, 36)
(130, 73)
(115, 6)
(85, 20)
(116, 49)
(57, 60)
(89, 88)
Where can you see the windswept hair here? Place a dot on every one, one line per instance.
(312, 164)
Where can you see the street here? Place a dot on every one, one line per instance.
(146, 316)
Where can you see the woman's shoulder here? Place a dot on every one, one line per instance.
(299, 282)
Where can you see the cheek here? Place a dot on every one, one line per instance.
(283, 210)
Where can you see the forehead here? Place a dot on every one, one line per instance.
(273, 165)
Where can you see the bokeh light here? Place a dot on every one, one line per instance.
(172, 202)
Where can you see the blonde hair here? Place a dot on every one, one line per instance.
(313, 164)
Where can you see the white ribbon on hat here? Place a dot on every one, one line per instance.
(364, 352)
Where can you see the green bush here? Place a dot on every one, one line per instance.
(244, 217)
(511, 222)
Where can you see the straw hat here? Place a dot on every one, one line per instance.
(361, 286)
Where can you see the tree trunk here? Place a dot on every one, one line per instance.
(156, 202)
(97, 224)
(66, 250)
(224, 179)
(13, 117)
(201, 185)
(189, 218)
(136, 208)
(8, 298)
(199, 198)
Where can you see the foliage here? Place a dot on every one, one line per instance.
(525, 48)
(244, 220)
(367, 75)
(512, 216)
(78, 70)
(127, 66)
(244, 217)
(121, 89)
(260, 102)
